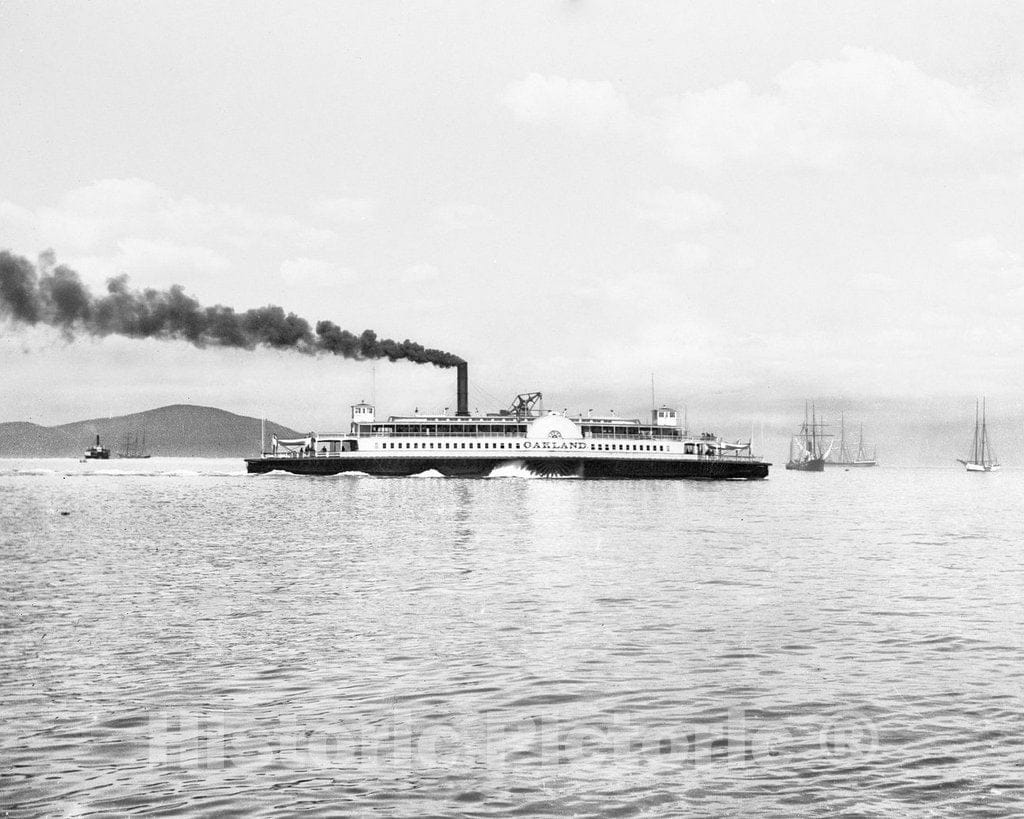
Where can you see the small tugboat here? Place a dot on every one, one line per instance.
(522, 439)
(97, 452)
(982, 459)
(806, 448)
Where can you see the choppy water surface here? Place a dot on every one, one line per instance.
(188, 639)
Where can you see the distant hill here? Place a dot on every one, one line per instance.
(177, 430)
(20, 439)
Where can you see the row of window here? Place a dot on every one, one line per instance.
(470, 430)
(630, 447)
(471, 445)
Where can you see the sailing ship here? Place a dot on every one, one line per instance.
(132, 447)
(807, 449)
(843, 457)
(983, 458)
(97, 452)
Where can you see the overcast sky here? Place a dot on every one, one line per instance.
(763, 202)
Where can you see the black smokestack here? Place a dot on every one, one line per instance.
(462, 388)
(59, 299)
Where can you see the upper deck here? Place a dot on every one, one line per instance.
(526, 430)
(489, 426)
(465, 444)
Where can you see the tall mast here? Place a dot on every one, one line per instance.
(843, 454)
(984, 431)
(974, 456)
(814, 433)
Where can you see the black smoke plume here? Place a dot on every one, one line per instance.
(54, 295)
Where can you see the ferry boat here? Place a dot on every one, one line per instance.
(523, 436)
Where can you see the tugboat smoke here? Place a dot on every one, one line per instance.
(54, 295)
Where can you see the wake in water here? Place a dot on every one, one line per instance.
(519, 469)
(66, 468)
(508, 469)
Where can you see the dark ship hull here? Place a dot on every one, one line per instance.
(811, 465)
(591, 468)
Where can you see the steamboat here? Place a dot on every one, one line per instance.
(97, 452)
(522, 437)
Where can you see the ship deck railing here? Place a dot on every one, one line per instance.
(675, 435)
(426, 433)
(517, 433)
(724, 456)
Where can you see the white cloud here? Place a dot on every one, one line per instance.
(420, 273)
(985, 251)
(19, 227)
(163, 261)
(314, 273)
(98, 219)
(983, 258)
(583, 104)
(676, 210)
(461, 216)
(690, 256)
(877, 283)
(1013, 302)
(116, 197)
(345, 210)
(705, 129)
(862, 107)
(133, 226)
(876, 104)
(158, 264)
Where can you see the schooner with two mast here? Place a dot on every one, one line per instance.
(983, 458)
(844, 458)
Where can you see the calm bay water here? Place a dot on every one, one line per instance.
(179, 638)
